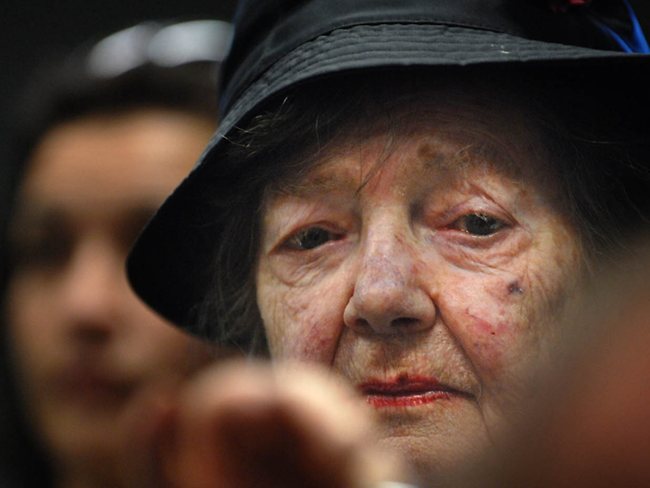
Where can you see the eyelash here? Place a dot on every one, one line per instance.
(319, 236)
(300, 240)
(492, 225)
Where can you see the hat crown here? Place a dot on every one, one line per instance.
(267, 30)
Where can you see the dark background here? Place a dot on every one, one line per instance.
(32, 31)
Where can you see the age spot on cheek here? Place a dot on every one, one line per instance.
(514, 288)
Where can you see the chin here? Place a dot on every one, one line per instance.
(83, 436)
(435, 456)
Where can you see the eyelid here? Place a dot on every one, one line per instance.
(286, 214)
(299, 242)
(282, 242)
(502, 224)
(477, 206)
(286, 243)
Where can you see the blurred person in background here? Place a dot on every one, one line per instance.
(101, 139)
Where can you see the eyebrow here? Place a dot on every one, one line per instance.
(318, 181)
(431, 154)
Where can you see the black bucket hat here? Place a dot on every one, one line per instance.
(280, 43)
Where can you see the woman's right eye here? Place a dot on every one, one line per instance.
(310, 238)
(42, 253)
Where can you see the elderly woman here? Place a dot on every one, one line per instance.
(411, 194)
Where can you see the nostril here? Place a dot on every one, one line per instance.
(361, 323)
(404, 322)
(388, 305)
(397, 325)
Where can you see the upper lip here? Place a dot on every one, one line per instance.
(405, 385)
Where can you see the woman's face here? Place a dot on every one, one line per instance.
(84, 344)
(428, 264)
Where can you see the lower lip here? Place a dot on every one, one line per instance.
(92, 390)
(407, 400)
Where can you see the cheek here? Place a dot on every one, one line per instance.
(503, 320)
(154, 346)
(36, 339)
(302, 323)
(32, 320)
(486, 318)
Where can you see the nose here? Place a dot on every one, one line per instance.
(90, 291)
(388, 296)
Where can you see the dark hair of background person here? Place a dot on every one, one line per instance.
(60, 92)
(595, 130)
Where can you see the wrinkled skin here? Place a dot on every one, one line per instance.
(84, 343)
(592, 428)
(437, 256)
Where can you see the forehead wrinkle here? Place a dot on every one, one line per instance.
(486, 151)
(449, 148)
(320, 184)
(340, 172)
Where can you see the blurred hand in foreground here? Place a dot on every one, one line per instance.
(243, 424)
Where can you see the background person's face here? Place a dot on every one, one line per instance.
(83, 342)
(433, 285)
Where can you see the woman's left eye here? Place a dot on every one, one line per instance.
(478, 224)
(310, 238)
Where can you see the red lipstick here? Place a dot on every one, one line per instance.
(405, 391)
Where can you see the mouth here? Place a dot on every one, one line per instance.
(92, 388)
(407, 391)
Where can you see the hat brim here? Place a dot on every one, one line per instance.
(168, 266)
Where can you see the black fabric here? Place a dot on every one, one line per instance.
(400, 45)
(268, 30)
